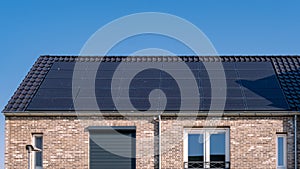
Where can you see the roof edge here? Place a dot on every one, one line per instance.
(151, 113)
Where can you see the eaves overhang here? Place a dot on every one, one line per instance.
(150, 113)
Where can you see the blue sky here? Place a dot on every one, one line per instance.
(32, 28)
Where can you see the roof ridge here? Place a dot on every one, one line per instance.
(224, 55)
(211, 58)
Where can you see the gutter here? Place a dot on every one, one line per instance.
(159, 142)
(153, 113)
(295, 142)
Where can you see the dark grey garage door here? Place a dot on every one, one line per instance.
(112, 147)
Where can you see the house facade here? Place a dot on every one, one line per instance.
(105, 112)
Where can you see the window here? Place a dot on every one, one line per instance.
(281, 151)
(206, 148)
(38, 155)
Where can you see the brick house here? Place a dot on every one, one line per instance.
(75, 112)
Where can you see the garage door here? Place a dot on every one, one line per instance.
(112, 147)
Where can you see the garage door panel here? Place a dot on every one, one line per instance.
(112, 149)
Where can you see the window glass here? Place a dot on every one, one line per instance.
(217, 147)
(195, 147)
(38, 155)
(280, 151)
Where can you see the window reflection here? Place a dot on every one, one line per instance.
(217, 149)
(195, 147)
(39, 155)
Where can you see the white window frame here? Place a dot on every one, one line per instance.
(34, 152)
(284, 151)
(206, 132)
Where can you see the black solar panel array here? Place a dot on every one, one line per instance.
(249, 86)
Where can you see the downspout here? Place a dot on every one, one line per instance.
(29, 161)
(295, 140)
(29, 149)
(159, 141)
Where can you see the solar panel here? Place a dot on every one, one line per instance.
(89, 103)
(59, 92)
(236, 86)
(194, 65)
(60, 74)
(145, 74)
(57, 83)
(103, 66)
(63, 66)
(253, 66)
(218, 92)
(51, 103)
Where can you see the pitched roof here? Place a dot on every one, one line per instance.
(287, 71)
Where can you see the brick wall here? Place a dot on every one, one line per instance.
(252, 140)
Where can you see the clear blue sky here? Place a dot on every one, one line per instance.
(31, 28)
